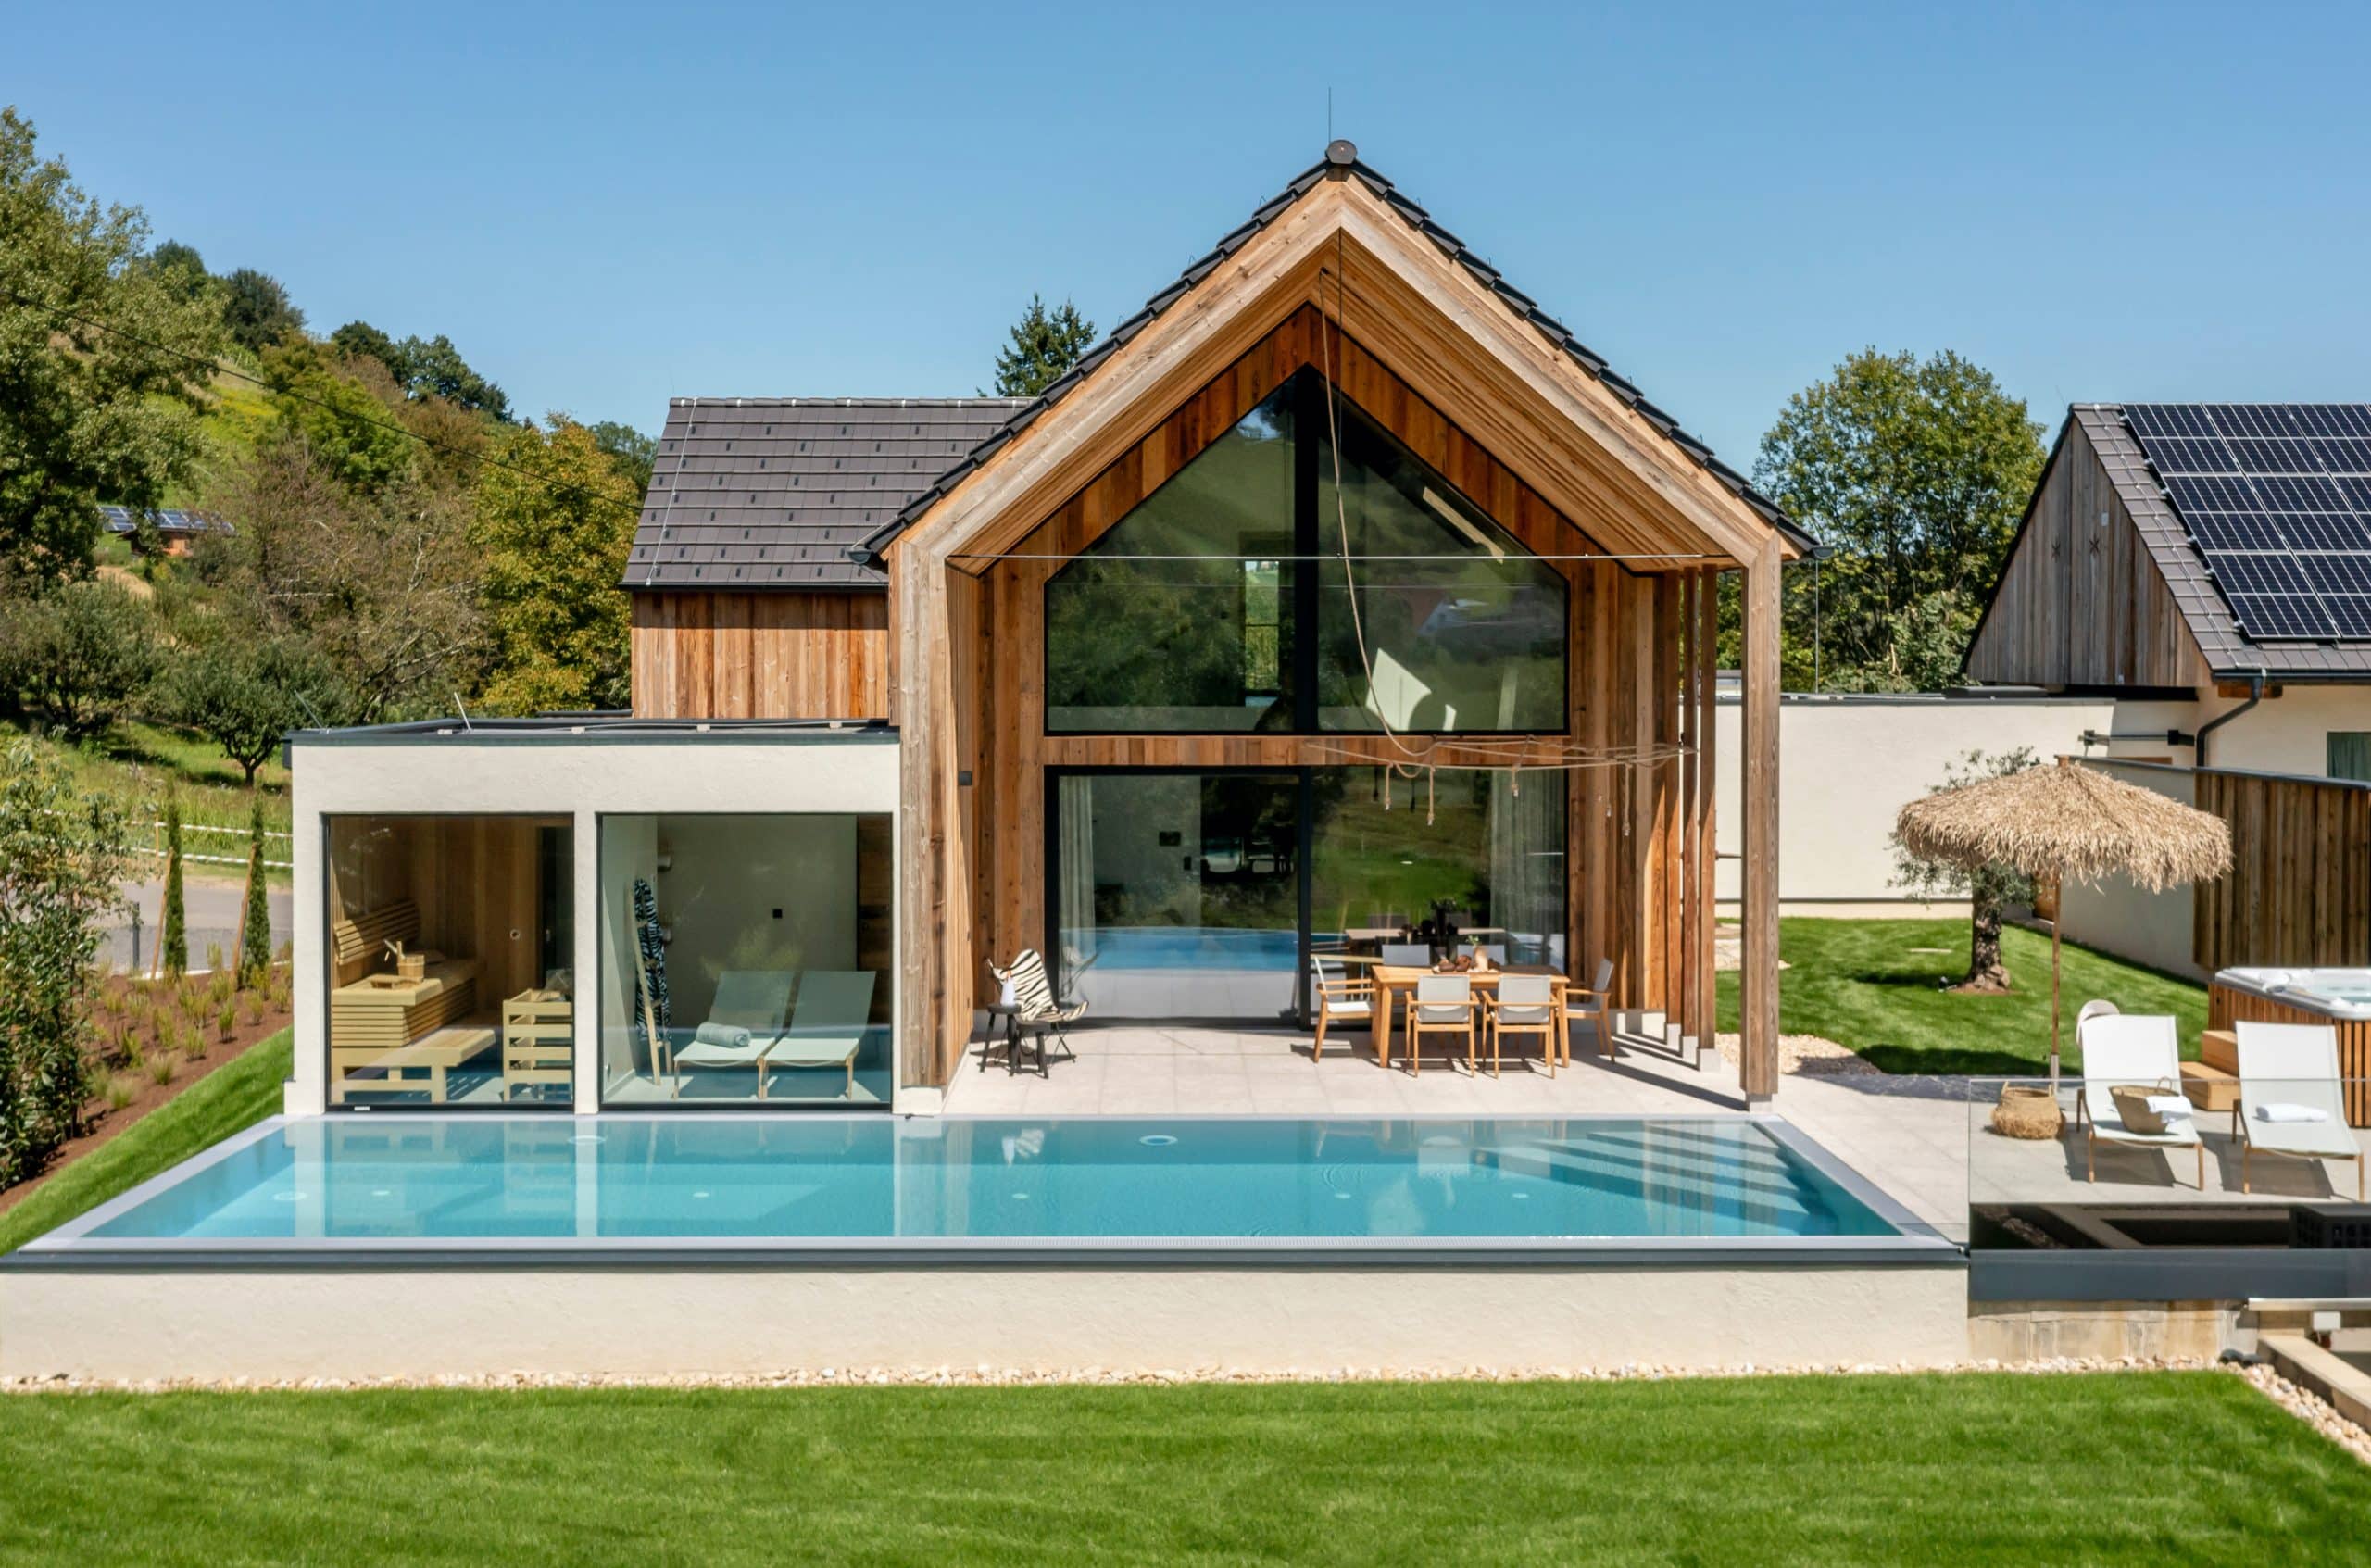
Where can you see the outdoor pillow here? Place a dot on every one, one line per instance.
(724, 1034)
(2292, 1113)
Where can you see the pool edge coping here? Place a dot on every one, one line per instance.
(1913, 1243)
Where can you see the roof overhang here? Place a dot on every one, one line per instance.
(1496, 366)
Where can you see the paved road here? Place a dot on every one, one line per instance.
(210, 908)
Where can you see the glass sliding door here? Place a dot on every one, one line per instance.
(1177, 896)
(1387, 852)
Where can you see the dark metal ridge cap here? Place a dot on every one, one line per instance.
(1341, 158)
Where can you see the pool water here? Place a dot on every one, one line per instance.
(483, 1179)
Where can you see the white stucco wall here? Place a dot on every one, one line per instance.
(1848, 764)
(2116, 917)
(2289, 733)
(585, 776)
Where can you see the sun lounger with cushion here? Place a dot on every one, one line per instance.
(2141, 1050)
(2289, 1097)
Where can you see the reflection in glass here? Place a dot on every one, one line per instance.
(1492, 856)
(449, 946)
(746, 959)
(1201, 645)
(1179, 893)
(1471, 643)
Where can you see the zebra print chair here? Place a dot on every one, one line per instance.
(1037, 1007)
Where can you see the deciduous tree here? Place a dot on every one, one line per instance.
(257, 310)
(553, 548)
(1988, 891)
(62, 852)
(1915, 472)
(245, 692)
(86, 414)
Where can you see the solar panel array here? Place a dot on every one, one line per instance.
(119, 519)
(2278, 498)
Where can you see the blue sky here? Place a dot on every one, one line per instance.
(605, 206)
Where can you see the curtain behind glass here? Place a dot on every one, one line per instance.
(1074, 865)
(1527, 865)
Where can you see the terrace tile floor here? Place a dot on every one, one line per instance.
(1918, 1138)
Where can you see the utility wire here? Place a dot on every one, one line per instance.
(558, 487)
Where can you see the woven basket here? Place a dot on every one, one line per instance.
(2027, 1112)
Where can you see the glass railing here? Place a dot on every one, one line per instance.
(2131, 1163)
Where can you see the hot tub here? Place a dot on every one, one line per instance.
(2339, 997)
(2332, 993)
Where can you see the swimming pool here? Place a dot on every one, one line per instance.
(624, 1184)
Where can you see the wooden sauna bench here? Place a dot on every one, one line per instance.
(414, 1030)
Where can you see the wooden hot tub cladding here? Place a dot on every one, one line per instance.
(2228, 1005)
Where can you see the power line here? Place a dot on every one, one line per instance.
(558, 487)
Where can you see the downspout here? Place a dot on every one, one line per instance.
(2255, 694)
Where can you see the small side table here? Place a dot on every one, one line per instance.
(1014, 1032)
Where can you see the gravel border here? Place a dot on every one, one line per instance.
(2309, 1407)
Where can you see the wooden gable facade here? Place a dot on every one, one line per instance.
(2081, 604)
(1637, 529)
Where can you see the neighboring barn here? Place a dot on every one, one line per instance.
(2207, 566)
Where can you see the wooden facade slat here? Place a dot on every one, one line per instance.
(770, 655)
(2299, 892)
(2081, 602)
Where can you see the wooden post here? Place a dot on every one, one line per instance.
(1758, 988)
(1707, 839)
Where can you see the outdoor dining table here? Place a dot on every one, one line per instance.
(1392, 979)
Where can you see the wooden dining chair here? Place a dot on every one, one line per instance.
(1589, 1004)
(1525, 1004)
(1333, 995)
(1443, 1005)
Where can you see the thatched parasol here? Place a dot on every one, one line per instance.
(2068, 823)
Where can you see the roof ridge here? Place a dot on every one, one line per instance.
(1342, 159)
(828, 402)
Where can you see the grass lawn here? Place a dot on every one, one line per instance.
(218, 1105)
(1877, 985)
(2150, 1468)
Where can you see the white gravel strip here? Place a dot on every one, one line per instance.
(2310, 1409)
(1030, 1377)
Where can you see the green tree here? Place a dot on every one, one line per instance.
(634, 452)
(360, 340)
(257, 310)
(86, 414)
(553, 549)
(338, 417)
(172, 949)
(244, 693)
(1042, 344)
(181, 270)
(436, 369)
(1988, 891)
(77, 657)
(1915, 472)
(62, 852)
(255, 925)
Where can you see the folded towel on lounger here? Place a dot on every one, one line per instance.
(2170, 1105)
(2292, 1113)
(724, 1034)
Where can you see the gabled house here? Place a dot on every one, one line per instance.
(2208, 567)
(1341, 589)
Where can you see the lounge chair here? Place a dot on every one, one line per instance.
(2289, 1097)
(1334, 997)
(1443, 1005)
(826, 1027)
(1586, 1004)
(1525, 1004)
(743, 1023)
(2143, 1050)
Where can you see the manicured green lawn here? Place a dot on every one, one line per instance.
(2139, 1468)
(222, 1103)
(1878, 986)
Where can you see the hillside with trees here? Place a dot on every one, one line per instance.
(400, 540)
